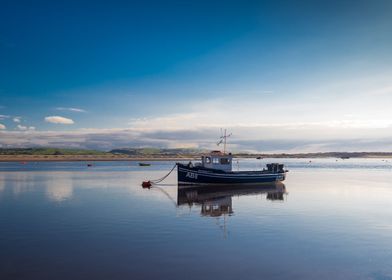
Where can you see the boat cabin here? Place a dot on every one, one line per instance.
(217, 160)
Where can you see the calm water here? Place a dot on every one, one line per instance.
(331, 220)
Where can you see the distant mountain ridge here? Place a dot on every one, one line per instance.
(156, 151)
(180, 152)
(48, 151)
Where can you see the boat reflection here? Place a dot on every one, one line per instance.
(217, 201)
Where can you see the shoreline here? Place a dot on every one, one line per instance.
(54, 158)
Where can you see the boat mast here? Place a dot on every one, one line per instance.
(224, 145)
(223, 139)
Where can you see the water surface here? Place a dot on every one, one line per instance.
(64, 220)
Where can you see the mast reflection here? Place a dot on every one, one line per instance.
(217, 201)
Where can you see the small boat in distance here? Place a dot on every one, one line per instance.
(144, 164)
(215, 168)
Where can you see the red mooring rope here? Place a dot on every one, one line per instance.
(147, 184)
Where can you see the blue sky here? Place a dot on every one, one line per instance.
(282, 75)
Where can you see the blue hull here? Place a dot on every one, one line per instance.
(203, 176)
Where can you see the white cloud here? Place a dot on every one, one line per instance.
(22, 127)
(59, 120)
(17, 119)
(2, 117)
(381, 91)
(330, 117)
(71, 109)
(2, 126)
(267, 138)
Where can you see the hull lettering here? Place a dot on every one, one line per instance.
(191, 175)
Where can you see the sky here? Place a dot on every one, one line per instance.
(281, 76)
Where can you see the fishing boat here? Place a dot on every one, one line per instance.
(144, 164)
(216, 168)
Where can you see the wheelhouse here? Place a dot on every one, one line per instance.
(218, 160)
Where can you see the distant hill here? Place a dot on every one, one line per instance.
(343, 155)
(178, 152)
(155, 151)
(48, 151)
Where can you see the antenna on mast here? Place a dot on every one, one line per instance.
(223, 140)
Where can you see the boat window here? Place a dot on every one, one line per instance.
(208, 160)
(225, 161)
(215, 160)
